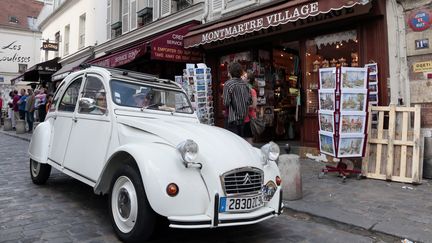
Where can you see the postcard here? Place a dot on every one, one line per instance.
(352, 122)
(326, 122)
(355, 101)
(373, 97)
(326, 100)
(327, 77)
(372, 67)
(327, 145)
(373, 87)
(354, 78)
(350, 146)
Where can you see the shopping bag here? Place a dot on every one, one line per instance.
(257, 126)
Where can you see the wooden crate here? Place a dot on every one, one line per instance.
(394, 149)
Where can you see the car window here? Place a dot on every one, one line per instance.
(93, 100)
(149, 97)
(56, 99)
(70, 96)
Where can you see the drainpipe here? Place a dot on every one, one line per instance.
(206, 11)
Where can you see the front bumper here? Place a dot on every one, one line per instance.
(225, 219)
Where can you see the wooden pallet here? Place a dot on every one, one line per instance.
(394, 149)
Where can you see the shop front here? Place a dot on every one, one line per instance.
(161, 54)
(39, 74)
(285, 44)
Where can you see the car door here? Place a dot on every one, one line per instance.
(91, 131)
(62, 121)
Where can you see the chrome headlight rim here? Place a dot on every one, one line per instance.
(270, 151)
(188, 150)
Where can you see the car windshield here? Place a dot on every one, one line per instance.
(149, 97)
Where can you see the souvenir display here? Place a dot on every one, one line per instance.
(343, 111)
(373, 87)
(197, 84)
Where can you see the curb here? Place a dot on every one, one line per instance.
(22, 137)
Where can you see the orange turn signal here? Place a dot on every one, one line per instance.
(172, 189)
(278, 181)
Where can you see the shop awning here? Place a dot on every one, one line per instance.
(68, 68)
(38, 71)
(257, 20)
(167, 47)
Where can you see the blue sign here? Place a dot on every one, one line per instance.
(419, 21)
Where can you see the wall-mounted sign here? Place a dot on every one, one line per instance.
(49, 46)
(419, 21)
(420, 67)
(422, 44)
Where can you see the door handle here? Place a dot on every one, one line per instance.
(75, 119)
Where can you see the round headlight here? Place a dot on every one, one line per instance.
(188, 150)
(271, 151)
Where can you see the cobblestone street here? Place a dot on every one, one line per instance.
(66, 210)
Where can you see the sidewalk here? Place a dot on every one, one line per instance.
(24, 136)
(397, 209)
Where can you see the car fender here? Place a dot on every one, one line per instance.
(160, 164)
(39, 143)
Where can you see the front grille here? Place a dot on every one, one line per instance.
(242, 181)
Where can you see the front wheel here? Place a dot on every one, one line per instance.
(39, 172)
(131, 215)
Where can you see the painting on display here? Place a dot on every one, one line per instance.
(354, 78)
(350, 146)
(327, 78)
(355, 101)
(352, 122)
(327, 145)
(326, 101)
(326, 122)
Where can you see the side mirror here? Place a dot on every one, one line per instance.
(86, 103)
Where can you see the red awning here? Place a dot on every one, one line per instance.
(167, 46)
(122, 57)
(274, 15)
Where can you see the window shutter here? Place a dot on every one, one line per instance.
(133, 14)
(216, 5)
(125, 16)
(165, 7)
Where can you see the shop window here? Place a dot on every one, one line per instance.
(337, 49)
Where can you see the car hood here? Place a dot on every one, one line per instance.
(219, 150)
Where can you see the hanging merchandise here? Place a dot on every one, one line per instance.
(343, 96)
(373, 88)
(196, 82)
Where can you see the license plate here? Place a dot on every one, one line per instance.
(240, 204)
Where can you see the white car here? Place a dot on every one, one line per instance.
(136, 137)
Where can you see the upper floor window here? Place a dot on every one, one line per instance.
(57, 40)
(66, 40)
(13, 19)
(82, 23)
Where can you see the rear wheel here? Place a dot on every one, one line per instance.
(39, 172)
(131, 215)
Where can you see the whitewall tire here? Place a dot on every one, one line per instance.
(131, 215)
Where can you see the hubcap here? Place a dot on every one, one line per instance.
(124, 204)
(35, 168)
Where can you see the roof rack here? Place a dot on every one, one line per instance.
(129, 73)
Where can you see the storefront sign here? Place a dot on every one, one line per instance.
(421, 44)
(169, 47)
(265, 19)
(420, 67)
(11, 52)
(49, 46)
(420, 21)
(122, 57)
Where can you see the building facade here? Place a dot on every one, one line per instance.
(20, 40)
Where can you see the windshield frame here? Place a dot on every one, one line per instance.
(151, 86)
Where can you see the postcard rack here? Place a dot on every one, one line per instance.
(343, 101)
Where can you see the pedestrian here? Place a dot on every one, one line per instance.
(236, 99)
(15, 100)
(22, 104)
(42, 105)
(11, 114)
(29, 108)
(249, 78)
(49, 101)
(1, 108)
